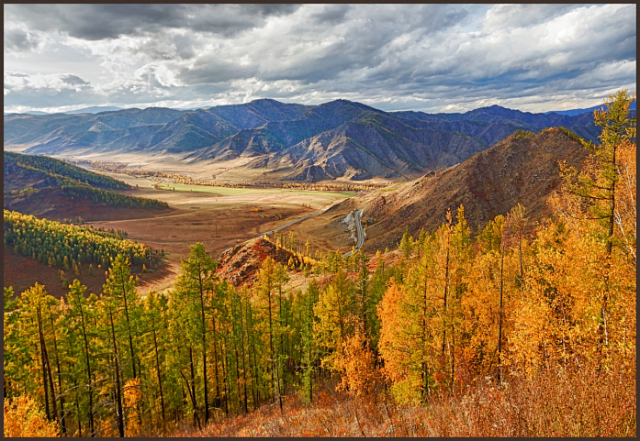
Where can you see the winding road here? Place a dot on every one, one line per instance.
(358, 221)
(359, 231)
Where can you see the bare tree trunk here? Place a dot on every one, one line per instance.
(193, 383)
(205, 378)
(120, 416)
(500, 314)
(215, 359)
(44, 370)
(63, 425)
(86, 353)
(155, 343)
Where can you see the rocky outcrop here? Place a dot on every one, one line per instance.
(240, 264)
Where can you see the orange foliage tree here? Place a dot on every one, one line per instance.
(24, 418)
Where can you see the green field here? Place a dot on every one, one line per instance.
(229, 191)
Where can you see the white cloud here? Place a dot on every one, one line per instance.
(431, 57)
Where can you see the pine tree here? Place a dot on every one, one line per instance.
(120, 285)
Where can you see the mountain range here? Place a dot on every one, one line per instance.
(590, 110)
(336, 140)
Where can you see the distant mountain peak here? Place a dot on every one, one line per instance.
(265, 100)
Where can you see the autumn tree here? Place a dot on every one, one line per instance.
(595, 186)
(269, 312)
(80, 323)
(155, 340)
(333, 310)
(120, 285)
(24, 418)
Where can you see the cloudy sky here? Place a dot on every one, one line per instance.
(433, 58)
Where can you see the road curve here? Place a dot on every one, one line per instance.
(359, 232)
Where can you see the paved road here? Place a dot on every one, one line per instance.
(295, 221)
(359, 232)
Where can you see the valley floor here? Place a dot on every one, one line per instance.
(221, 221)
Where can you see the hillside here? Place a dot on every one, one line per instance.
(336, 140)
(46, 186)
(452, 334)
(522, 168)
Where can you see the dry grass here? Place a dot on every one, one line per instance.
(574, 403)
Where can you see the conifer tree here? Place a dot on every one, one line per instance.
(195, 287)
(81, 319)
(307, 341)
(334, 309)
(405, 243)
(120, 285)
(596, 186)
(155, 334)
(269, 311)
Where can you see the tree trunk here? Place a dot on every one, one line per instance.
(126, 314)
(120, 416)
(215, 359)
(155, 343)
(425, 367)
(252, 363)
(63, 425)
(86, 353)
(500, 315)
(276, 387)
(44, 370)
(193, 383)
(204, 351)
(225, 375)
(196, 420)
(78, 410)
(235, 349)
(446, 293)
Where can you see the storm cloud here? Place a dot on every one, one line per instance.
(100, 21)
(394, 57)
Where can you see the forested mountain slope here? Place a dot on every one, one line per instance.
(41, 185)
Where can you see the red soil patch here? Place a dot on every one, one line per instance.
(240, 264)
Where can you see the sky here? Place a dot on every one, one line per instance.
(423, 57)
